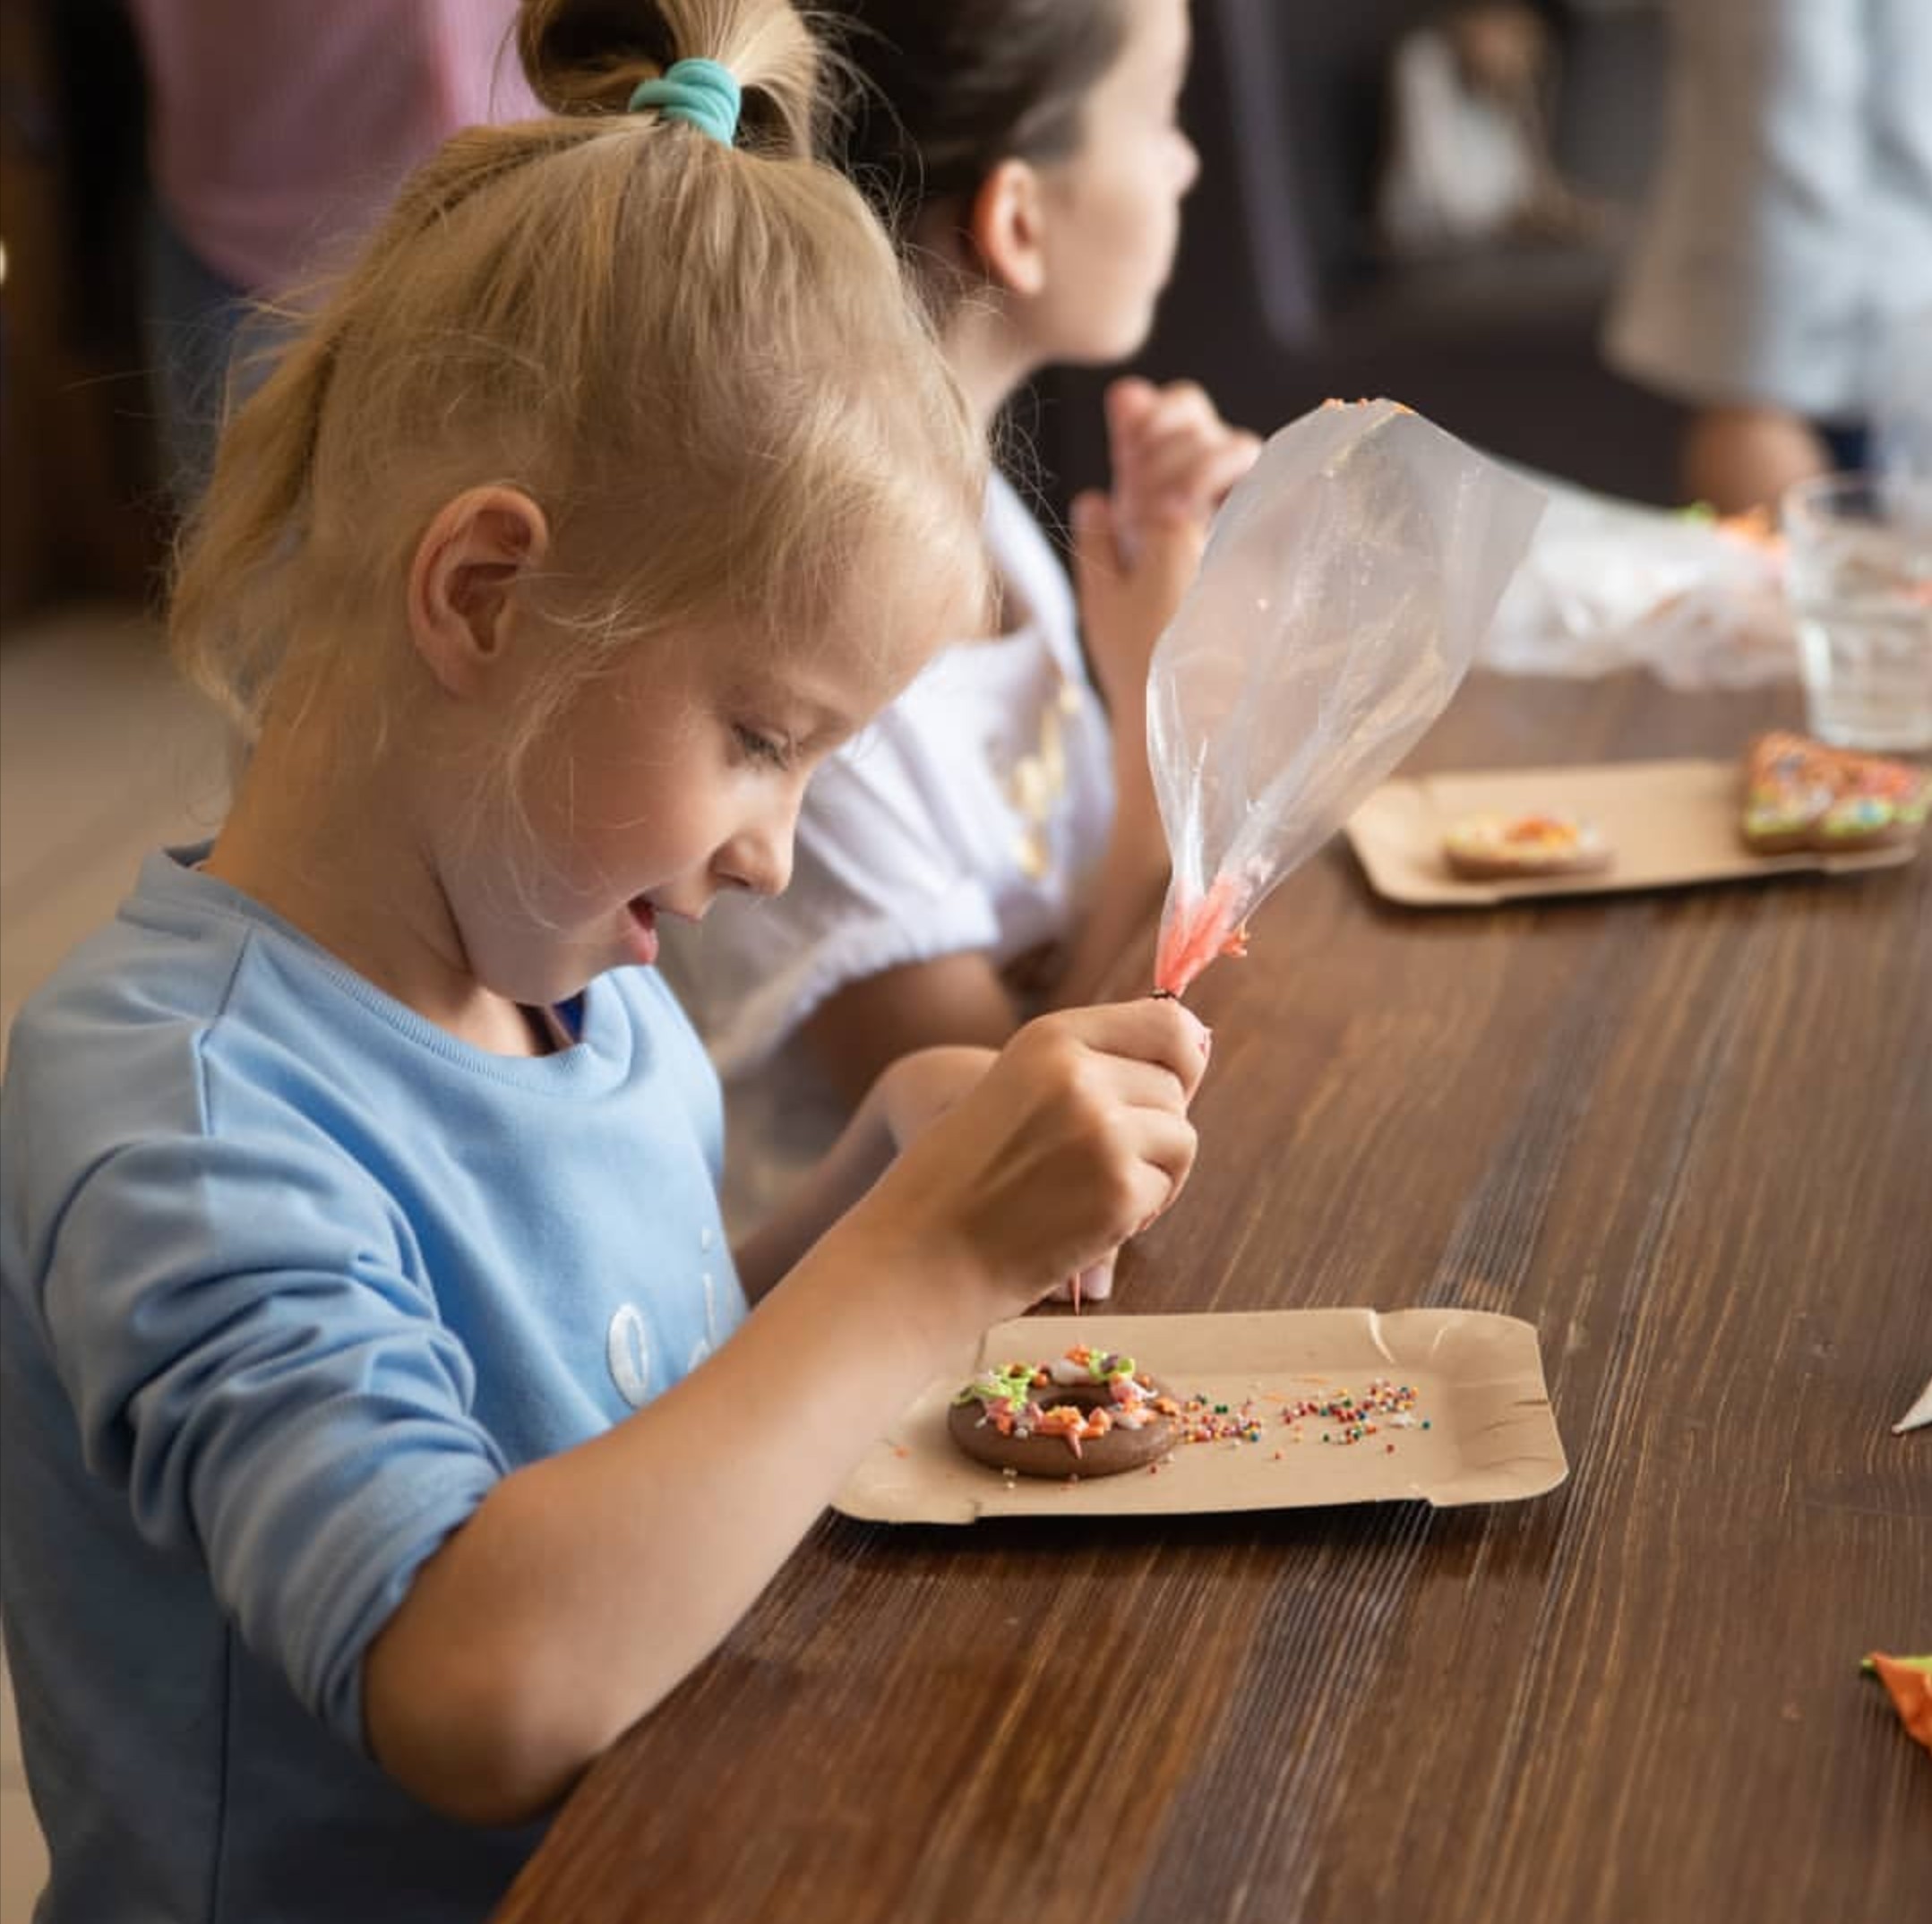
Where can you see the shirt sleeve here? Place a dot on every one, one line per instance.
(237, 1327)
(883, 875)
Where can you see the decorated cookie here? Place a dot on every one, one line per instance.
(1494, 847)
(1801, 794)
(1089, 1414)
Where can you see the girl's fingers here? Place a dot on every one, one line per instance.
(1202, 465)
(1158, 459)
(1096, 1282)
(1096, 547)
(1230, 465)
(1166, 1145)
(1187, 399)
(1144, 1085)
(1167, 560)
(1183, 410)
(1208, 467)
(1093, 524)
(1155, 1029)
(1140, 417)
(1096, 1285)
(1127, 403)
(1128, 406)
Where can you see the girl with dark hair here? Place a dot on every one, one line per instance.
(988, 846)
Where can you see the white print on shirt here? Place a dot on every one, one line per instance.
(628, 1349)
(705, 1342)
(1036, 781)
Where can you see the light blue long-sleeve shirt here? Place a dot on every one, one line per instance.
(291, 1279)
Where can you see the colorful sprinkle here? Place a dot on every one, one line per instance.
(1383, 1404)
(1357, 1419)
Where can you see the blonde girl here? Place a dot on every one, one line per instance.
(990, 846)
(385, 1428)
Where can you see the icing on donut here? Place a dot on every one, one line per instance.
(1089, 1412)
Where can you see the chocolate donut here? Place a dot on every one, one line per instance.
(1091, 1414)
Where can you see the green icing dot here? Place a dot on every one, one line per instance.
(1013, 1384)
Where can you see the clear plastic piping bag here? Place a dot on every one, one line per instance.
(1348, 583)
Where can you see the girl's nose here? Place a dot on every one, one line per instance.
(759, 857)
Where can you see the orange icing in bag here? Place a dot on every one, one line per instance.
(1348, 582)
(1192, 937)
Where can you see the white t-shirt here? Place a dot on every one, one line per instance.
(971, 815)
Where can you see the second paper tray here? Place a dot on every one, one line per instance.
(1670, 824)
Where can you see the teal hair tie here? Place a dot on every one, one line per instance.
(700, 91)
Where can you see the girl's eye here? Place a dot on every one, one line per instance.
(757, 746)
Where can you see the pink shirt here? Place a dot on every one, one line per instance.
(282, 127)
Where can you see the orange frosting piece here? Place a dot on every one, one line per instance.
(1911, 1691)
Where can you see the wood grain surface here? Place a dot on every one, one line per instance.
(1688, 1135)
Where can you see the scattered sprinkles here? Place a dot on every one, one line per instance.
(1383, 1405)
(1346, 1418)
(1201, 1422)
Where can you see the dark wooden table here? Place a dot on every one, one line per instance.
(1689, 1136)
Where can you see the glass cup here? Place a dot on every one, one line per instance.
(1859, 574)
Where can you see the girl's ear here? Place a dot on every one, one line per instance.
(460, 582)
(1007, 225)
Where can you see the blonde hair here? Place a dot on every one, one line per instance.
(700, 360)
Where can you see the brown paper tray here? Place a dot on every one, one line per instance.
(1478, 1378)
(1671, 824)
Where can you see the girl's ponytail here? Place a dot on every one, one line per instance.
(697, 359)
(225, 624)
(587, 56)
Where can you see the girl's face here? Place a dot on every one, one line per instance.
(673, 777)
(1113, 209)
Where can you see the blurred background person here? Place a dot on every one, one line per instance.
(276, 131)
(1782, 279)
(1452, 244)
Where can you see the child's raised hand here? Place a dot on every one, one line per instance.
(1075, 1139)
(1173, 457)
(1128, 592)
(1137, 549)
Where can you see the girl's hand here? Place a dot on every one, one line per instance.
(1136, 550)
(1742, 458)
(1127, 595)
(919, 1088)
(1173, 457)
(1074, 1140)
